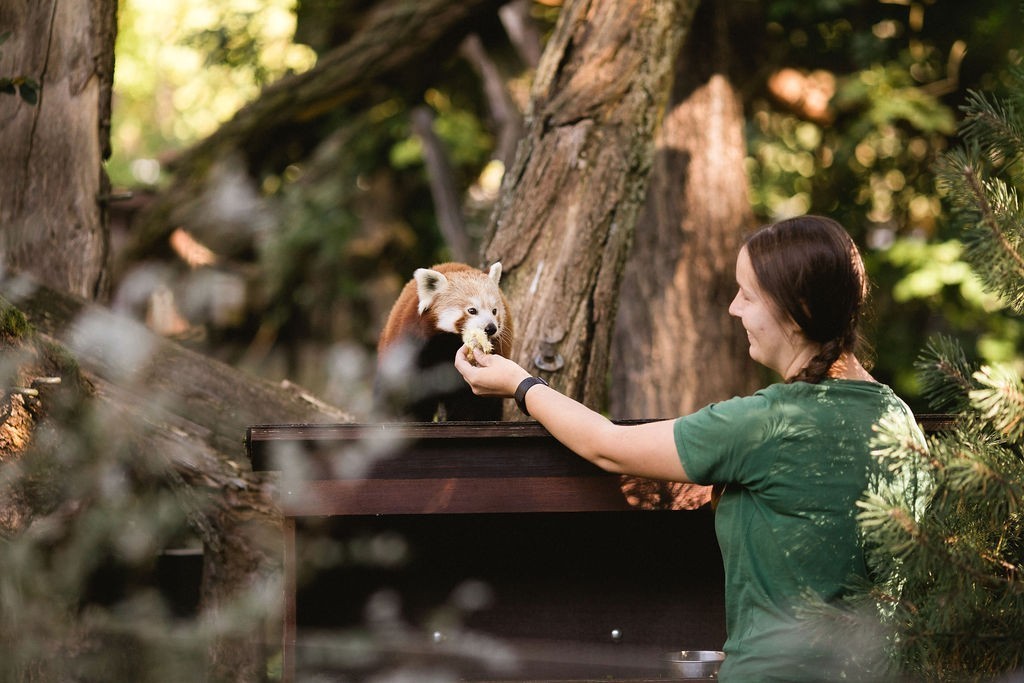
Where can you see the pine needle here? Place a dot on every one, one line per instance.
(945, 375)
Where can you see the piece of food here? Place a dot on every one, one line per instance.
(475, 338)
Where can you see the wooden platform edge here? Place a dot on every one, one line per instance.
(259, 439)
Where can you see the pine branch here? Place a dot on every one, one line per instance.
(1000, 400)
(995, 127)
(991, 214)
(986, 205)
(982, 479)
(945, 374)
(944, 529)
(892, 524)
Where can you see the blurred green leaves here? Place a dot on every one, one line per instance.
(185, 67)
(898, 75)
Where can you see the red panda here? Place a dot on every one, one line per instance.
(416, 377)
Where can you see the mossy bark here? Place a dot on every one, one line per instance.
(53, 189)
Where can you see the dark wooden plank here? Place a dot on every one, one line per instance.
(932, 423)
(454, 495)
(452, 458)
(403, 430)
(413, 451)
(430, 450)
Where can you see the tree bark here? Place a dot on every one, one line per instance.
(563, 225)
(53, 189)
(676, 348)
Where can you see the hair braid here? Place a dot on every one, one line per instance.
(818, 367)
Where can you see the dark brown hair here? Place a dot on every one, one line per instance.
(812, 271)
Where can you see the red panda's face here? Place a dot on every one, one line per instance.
(463, 300)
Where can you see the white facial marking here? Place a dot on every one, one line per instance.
(467, 303)
(448, 319)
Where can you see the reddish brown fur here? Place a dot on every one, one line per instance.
(405, 319)
(416, 376)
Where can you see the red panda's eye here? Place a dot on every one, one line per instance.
(494, 311)
(471, 310)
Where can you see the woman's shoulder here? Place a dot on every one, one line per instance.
(830, 392)
(827, 395)
(831, 384)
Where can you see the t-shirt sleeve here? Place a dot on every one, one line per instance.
(716, 443)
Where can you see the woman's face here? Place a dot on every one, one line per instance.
(775, 340)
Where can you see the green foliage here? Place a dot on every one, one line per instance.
(994, 125)
(13, 324)
(950, 588)
(948, 577)
(231, 44)
(26, 87)
(1000, 400)
(988, 205)
(871, 163)
(946, 375)
(183, 68)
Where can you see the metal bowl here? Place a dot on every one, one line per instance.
(695, 663)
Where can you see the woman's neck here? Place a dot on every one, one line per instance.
(848, 367)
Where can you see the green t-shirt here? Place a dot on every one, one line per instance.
(794, 459)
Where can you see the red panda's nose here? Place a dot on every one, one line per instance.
(491, 329)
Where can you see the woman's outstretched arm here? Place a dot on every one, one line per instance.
(644, 450)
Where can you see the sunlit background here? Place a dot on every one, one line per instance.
(287, 267)
(848, 122)
(183, 67)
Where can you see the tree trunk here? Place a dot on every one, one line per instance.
(676, 348)
(563, 226)
(53, 188)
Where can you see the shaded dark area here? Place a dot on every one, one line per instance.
(569, 582)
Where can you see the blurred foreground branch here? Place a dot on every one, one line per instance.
(141, 432)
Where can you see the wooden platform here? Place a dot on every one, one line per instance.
(582, 586)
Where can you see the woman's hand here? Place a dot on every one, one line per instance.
(493, 375)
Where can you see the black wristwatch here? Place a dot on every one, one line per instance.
(521, 390)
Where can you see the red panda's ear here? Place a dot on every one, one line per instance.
(429, 283)
(495, 272)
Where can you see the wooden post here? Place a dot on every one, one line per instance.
(289, 635)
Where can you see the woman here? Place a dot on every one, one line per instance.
(792, 459)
